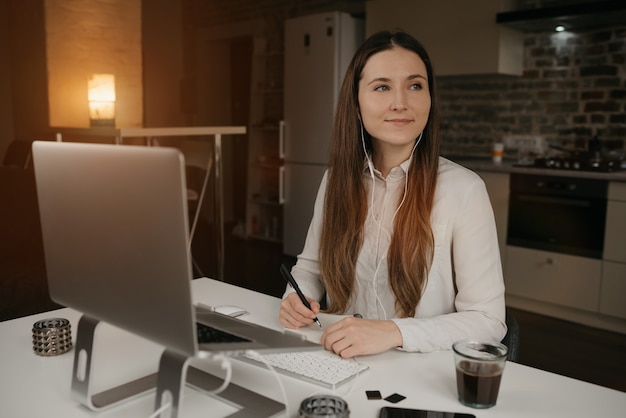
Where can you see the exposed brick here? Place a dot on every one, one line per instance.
(579, 119)
(619, 118)
(563, 61)
(552, 95)
(567, 107)
(601, 36)
(570, 84)
(583, 131)
(587, 50)
(592, 95)
(543, 52)
(560, 120)
(545, 40)
(555, 73)
(616, 132)
(531, 73)
(598, 118)
(618, 58)
(601, 107)
(607, 82)
(540, 85)
(518, 95)
(543, 63)
(617, 94)
(598, 60)
(598, 70)
(547, 129)
(574, 40)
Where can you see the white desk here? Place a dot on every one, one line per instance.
(33, 386)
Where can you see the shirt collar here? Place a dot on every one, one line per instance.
(397, 172)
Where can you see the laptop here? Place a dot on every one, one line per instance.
(115, 230)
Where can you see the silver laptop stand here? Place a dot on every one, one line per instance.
(174, 372)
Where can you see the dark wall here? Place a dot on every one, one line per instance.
(6, 96)
(27, 66)
(222, 18)
(162, 56)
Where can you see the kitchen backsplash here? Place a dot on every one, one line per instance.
(573, 87)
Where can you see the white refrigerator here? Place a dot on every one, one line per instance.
(318, 49)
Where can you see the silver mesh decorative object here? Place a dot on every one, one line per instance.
(324, 406)
(52, 337)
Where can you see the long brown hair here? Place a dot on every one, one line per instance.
(345, 207)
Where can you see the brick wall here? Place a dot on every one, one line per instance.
(90, 37)
(573, 87)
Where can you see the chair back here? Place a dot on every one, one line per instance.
(512, 338)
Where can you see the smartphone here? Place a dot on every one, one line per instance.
(390, 412)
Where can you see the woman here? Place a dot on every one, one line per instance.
(400, 236)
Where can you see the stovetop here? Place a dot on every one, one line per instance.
(579, 164)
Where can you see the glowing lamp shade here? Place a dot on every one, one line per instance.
(101, 89)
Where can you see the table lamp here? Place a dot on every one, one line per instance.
(101, 93)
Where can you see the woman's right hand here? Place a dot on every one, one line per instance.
(293, 313)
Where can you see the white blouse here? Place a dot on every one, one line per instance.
(464, 295)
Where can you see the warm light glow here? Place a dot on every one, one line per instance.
(102, 87)
(101, 110)
(101, 94)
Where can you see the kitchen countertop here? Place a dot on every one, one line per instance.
(508, 166)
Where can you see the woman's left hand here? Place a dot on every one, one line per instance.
(355, 336)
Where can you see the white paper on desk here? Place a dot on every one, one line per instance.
(313, 332)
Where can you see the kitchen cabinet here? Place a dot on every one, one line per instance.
(462, 38)
(614, 265)
(615, 235)
(498, 188)
(264, 214)
(613, 289)
(579, 288)
(556, 278)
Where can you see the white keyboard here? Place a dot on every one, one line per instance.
(320, 367)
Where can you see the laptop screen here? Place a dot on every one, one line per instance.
(116, 238)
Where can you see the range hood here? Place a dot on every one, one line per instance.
(586, 15)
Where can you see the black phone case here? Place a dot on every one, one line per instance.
(389, 412)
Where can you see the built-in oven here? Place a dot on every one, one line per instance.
(558, 214)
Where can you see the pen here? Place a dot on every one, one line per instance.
(292, 283)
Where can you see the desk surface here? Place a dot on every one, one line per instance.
(33, 386)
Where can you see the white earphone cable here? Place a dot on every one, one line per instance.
(380, 260)
(370, 165)
(276, 375)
